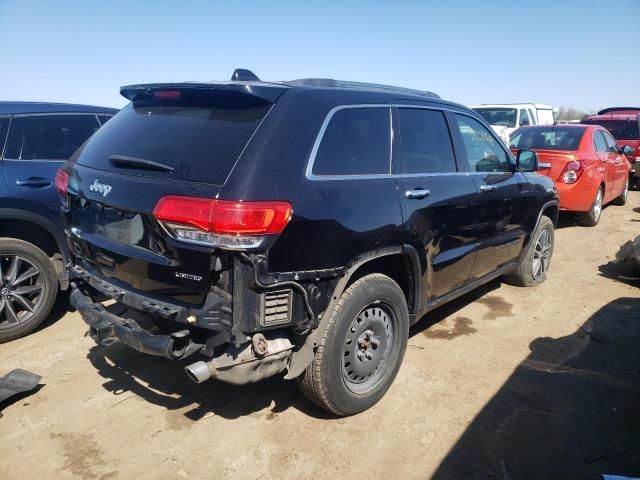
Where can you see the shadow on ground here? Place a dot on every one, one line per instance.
(163, 382)
(570, 410)
(623, 272)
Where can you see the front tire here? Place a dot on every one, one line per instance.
(592, 217)
(28, 288)
(360, 353)
(535, 263)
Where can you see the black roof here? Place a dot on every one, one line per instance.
(7, 108)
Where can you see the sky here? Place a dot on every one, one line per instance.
(581, 54)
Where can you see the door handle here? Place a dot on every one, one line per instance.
(417, 193)
(488, 188)
(34, 182)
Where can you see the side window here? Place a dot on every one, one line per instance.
(484, 152)
(598, 141)
(426, 144)
(612, 146)
(4, 126)
(524, 117)
(356, 142)
(104, 118)
(48, 137)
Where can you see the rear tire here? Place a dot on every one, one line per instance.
(622, 199)
(592, 217)
(361, 350)
(534, 265)
(28, 288)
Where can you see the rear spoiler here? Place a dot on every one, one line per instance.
(264, 91)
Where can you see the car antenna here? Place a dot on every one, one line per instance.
(244, 75)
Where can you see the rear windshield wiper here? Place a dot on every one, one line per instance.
(133, 162)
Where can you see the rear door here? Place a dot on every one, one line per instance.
(620, 164)
(505, 196)
(438, 201)
(36, 147)
(608, 162)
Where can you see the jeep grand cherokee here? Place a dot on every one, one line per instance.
(296, 227)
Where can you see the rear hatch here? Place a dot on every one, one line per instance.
(179, 139)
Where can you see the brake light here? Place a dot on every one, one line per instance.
(62, 182)
(572, 171)
(167, 94)
(222, 223)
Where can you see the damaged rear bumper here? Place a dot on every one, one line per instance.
(106, 328)
(260, 358)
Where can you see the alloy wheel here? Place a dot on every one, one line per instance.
(542, 255)
(22, 290)
(597, 205)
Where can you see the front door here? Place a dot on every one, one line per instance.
(438, 201)
(505, 196)
(37, 146)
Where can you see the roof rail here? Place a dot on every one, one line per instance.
(330, 82)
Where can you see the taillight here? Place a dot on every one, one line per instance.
(572, 171)
(222, 223)
(62, 182)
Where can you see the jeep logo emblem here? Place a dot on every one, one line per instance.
(98, 187)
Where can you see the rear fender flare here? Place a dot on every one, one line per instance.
(301, 358)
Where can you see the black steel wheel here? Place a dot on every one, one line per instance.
(361, 349)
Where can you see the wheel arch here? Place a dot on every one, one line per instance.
(393, 261)
(38, 231)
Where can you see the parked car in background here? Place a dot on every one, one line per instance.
(624, 124)
(35, 141)
(296, 226)
(588, 166)
(504, 118)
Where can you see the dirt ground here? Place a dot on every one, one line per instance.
(505, 383)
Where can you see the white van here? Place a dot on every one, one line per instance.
(504, 118)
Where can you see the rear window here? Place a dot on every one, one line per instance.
(504, 117)
(200, 142)
(552, 138)
(620, 129)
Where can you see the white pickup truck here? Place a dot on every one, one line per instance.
(504, 118)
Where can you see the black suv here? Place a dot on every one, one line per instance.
(297, 226)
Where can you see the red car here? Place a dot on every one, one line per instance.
(624, 124)
(588, 166)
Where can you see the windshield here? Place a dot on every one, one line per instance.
(620, 129)
(504, 117)
(198, 142)
(548, 138)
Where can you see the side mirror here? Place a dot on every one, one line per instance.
(628, 150)
(527, 161)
